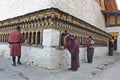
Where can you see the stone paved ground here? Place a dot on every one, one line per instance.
(85, 72)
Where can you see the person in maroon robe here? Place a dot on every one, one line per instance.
(90, 49)
(15, 40)
(111, 46)
(73, 47)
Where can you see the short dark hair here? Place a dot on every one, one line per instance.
(66, 32)
(90, 37)
(18, 27)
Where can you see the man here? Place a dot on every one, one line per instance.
(90, 49)
(15, 40)
(111, 46)
(73, 47)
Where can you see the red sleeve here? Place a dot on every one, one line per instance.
(9, 38)
(22, 39)
(64, 46)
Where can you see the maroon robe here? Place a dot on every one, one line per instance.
(73, 46)
(15, 40)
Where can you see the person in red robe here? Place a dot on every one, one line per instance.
(111, 46)
(15, 40)
(73, 47)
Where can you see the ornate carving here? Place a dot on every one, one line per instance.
(33, 23)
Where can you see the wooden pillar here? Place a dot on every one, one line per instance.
(2, 37)
(28, 38)
(36, 37)
(63, 40)
(5, 38)
(108, 20)
(31, 38)
(115, 19)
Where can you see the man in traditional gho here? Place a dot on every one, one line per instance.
(111, 46)
(73, 47)
(15, 40)
(90, 49)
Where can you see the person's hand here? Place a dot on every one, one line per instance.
(9, 46)
(60, 48)
(86, 49)
(25, 40)
(64, 46)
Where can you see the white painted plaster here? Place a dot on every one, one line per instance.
(50, 57)
(51, 37)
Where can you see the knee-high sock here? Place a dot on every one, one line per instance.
(13, 58)
(19, 58)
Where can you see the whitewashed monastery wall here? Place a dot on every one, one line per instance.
(48, 56)
(51, 57)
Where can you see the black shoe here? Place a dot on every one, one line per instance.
(19, 63)
(74, 69)
(14, 64)
(90, 62)
(69, 68)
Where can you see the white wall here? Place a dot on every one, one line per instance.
(87, 10)
(51, 37)
(44, 58)
(13, 8)
(49, 56)
(115, 29)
